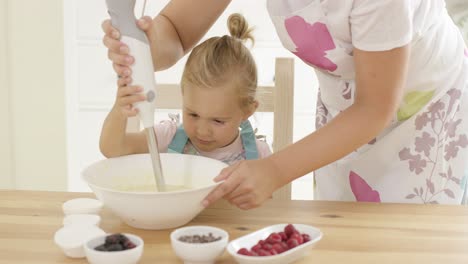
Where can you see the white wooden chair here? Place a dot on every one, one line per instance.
(278, 98)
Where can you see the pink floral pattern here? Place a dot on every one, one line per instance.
(312, 42)
(321, 116)
(347, 91)
(438, 139)
(362, 190)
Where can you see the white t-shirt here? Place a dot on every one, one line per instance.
(458, 10)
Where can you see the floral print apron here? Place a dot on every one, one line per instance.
(422, 157)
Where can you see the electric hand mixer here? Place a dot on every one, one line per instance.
(123, 18)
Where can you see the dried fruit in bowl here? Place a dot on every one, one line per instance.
(116, 242)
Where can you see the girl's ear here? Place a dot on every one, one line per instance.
(252, 108)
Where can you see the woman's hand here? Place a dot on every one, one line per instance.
(127, 96)
(247, 184)
(118, 52)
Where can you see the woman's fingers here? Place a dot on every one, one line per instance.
(124, 81)
(224, 174)
(121, 70)
(243, 189)
(145, 23)
(229, 185)
(117, 51)
(247, 184)
(246, 199)
(224, 188)
(114, 44)
(119, 58)
(109, 30)
(246, 206)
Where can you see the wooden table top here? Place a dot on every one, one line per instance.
(353, 232)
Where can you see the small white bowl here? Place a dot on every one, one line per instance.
(289, 256)
(81, 220)
(199, 253)
(71, 239)
(128, 256)
(82, 206)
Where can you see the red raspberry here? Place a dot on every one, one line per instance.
(263, 252)
(277, 242)
(243, 251)
(267, 246)
(274, 238)
(256, 247)
(292, 243)
(279, 248)
(289, 230)
(128, 244)
(283, 235)
(298, 237)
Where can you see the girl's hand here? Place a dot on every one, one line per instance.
(247, 184)
(127, 96)
(118, 52)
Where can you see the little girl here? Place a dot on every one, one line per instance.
(218, 94)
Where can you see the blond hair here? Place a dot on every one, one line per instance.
(225, 60)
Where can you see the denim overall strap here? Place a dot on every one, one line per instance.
(178, 142)
(248, 140)
(247, 135)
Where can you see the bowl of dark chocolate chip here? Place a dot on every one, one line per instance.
(199, 244)
(118, 248)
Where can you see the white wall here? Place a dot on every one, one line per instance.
(6, 168)
(33, 112)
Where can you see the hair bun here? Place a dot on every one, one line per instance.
(239, 28)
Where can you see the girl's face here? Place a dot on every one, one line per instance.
(211, 117)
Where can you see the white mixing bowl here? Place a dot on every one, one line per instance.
(125, 185)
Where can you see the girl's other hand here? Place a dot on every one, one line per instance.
(247, 184)
(127, 96)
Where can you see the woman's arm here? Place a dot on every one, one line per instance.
(172, 33)
(380, 79)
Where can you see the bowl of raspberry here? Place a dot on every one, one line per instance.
(275, 244)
